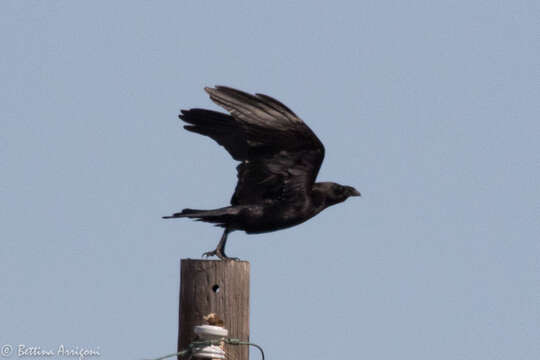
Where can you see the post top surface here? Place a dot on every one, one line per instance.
(215, 261)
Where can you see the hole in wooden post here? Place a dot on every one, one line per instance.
(216, 288)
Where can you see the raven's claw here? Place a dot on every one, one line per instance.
(220, 255)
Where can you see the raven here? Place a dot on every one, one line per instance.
(279, 156)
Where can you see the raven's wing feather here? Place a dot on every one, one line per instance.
(280, 154)
(223, 128)
(286, 176)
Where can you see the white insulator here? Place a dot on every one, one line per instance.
(209, 352)
(210, 332)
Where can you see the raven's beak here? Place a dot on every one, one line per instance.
(354, 192)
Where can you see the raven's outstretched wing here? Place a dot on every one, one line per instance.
(280, 154)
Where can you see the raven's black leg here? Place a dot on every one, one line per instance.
(220, 249)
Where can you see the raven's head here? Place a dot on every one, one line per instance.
(332, 193)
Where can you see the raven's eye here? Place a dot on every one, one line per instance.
(339, 190)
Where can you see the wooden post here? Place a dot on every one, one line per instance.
(220, 287)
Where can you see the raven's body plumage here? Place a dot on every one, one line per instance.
(280, 158)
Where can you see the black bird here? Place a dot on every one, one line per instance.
(280, 157)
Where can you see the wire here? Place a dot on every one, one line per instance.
(202, 343)
(181, 354)
(240, 342)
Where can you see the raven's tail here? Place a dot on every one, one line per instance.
(221, 217)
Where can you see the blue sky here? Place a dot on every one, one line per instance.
(430, 109)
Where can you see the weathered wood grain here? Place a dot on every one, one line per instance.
(220, 287)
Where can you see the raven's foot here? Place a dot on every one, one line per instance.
(220, 255)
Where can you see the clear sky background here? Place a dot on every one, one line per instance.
(429, 108)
